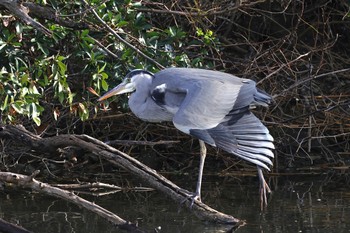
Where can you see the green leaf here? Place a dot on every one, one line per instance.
(104, 75)
(172, 31)
(62, 66)
(17, 106)
(60, 87)
(104, 85)
(34, 90)
(100, 70)
(2, 45)
(70, 97)
(122, 23)
(85, 33)
(19, 28)
(24, 79)
(199, 32)
(4, 104)
(83, 112)
(43, 49)
(61, 97)
(33, 110)
(37, 120)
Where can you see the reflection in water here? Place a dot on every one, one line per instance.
(298, 204)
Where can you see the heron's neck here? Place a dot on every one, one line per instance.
(138, 99)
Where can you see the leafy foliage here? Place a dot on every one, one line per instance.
(47, 75)
(296, 50)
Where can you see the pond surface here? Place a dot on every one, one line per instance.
(299, 203)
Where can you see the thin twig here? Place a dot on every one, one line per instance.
(282, 66)
(200, 12)
(309, 79)
(105, 48)
(135, 142)
(138, 51)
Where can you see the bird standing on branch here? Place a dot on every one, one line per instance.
(209, 105)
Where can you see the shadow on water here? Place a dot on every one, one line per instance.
(307, 203)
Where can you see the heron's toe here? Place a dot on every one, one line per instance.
(195, 197)
(192, 198)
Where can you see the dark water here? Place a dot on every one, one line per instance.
(302, 203)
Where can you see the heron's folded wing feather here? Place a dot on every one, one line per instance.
(206, 104)
(206, 96)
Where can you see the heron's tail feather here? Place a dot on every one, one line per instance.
(243, 135)
(262, 98)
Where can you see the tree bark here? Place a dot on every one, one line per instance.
(30, 182)
(6, 227)
(21, 12)
(120, 159)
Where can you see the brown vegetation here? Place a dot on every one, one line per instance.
(298, 51)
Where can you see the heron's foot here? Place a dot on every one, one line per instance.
(194, 197)
(264, 189)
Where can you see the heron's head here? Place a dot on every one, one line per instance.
(129, 84)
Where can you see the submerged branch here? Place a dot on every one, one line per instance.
(7, 227)
(120, 159)
(29, 182)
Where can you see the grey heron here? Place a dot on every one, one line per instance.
(212, 106)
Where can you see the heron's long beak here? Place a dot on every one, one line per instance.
(120, 89)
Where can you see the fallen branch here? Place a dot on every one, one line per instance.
(48, 13)
(100, 186)
(21, 12)
(120, 159)
(30, 182)
(6, 227)
(134, 142)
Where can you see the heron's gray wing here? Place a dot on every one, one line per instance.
(201, 98)
(242, 134)
(206, 104)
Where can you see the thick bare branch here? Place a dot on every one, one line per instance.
(49, 14)
(29, 182)
(120, 159)
(7, 227)
(21, 12)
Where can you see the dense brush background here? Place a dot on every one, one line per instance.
(298, 51)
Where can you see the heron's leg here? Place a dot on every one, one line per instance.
(203, 154)
(264, 188)
(197, 194)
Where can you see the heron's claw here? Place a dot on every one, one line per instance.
(194, 197)
(264, 189)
